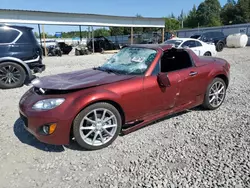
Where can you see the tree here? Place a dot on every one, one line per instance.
(114, 31)
(191, 19)
(243, 9)
(171, 24)
(102, 32)
(208, 13)
(229, 13)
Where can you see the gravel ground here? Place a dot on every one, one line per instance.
(192, 149)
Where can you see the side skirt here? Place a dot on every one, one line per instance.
(133, 126)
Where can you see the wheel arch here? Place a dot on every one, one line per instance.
(224, 78)
(109, 101)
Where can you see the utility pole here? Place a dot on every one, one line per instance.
(44, 42)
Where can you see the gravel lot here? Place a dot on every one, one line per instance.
(193, 149)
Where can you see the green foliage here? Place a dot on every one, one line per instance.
(210, 13)
(171, 24)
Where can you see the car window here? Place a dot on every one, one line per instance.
(8, 35)
(156, 69)
(198, 43)
(176, 43)
(189, 43)
(175, 60)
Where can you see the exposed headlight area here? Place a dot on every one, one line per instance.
(48, 104)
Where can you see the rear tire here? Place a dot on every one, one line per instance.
(12, 75)
(219, 46)
(97, 126)
(215, 94)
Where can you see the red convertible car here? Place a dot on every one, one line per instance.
(136, 86)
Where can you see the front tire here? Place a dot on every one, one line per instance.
(207, 54)
(215, 94)
(97, 126)
(12, 75)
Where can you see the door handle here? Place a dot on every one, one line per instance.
(192, 73)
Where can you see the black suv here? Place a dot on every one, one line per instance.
(216, 37)
(20, 56)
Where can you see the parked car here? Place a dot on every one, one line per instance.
(138, 85)
(198, 47)
(20, 56)
(216, 37)
(101, 44)
(65, 48)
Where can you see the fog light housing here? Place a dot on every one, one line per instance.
(49, 129)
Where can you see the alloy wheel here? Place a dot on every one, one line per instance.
(9, 75)
(98, 127)
(216, 94)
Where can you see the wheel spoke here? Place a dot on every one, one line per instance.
(105, 120)
(221, 89)
(107, 132)
(95, 114)
(11, 68)
(102, 139)
(87, 135)
(3, 70)
(103, 115)
(109, 126)
(87, 128)
(89, 120)
(211, 100)
(94, 139)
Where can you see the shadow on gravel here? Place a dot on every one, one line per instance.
(27, 138)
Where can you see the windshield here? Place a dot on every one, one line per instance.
(195, 36)
(130, 60)
(176, 43)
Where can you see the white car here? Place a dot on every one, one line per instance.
(200, 48)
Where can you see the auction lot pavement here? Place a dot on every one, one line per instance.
(193, 149)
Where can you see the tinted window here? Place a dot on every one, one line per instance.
(189, 43)
(218, 34)
(195, 36)
(27, 37)
(198, 43)
(8, 35)
(175, 60)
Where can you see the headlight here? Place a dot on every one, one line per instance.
(48, 104)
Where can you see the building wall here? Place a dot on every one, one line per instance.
(227, 30)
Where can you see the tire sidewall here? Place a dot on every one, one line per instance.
(207, 54)
(22, 76)
(83, 113)
(220, 46)
(206, 103)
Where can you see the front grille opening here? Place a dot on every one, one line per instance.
(41, 91)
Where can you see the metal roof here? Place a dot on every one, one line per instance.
(65, 18)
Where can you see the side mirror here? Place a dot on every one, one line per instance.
(163, 80)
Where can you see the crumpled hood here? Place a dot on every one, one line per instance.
(78, 79)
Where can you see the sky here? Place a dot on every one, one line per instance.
(146, 8)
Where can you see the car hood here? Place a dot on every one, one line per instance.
(78, 80)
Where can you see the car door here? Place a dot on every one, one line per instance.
(202, 49)
(192, 45)
(158, 98)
